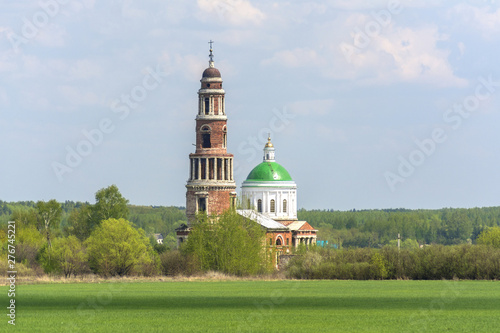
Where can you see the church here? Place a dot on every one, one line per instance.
(268, 195)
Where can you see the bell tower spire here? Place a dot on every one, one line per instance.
(211, 55)
(211, 186)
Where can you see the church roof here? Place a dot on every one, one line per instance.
(211, 72)
(300, 225)
(261, 219)
(268, 171)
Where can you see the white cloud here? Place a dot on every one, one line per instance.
(485, 19)
(188, 65)
(357, 4)
(398, 54)
(234, 12)
(395, 54)
(378, 4)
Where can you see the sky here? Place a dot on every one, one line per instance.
(370, 104)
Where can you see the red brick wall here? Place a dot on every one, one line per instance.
(213, 85)
(216, 136)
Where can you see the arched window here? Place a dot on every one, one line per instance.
(278, 241)
(205, 136)
(273, 206)
(259, 206)
(284, 205)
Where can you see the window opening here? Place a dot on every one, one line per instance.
(202, 204)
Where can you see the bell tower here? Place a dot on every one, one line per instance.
(210, 187)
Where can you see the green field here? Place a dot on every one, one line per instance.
(257, 306)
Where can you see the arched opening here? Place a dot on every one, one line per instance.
(259, 206)
(284, 205)
(205, 136)
(279, 241)
(273, 206)
(207, 106)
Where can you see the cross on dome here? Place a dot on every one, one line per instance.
(269, 144)
(211, 55)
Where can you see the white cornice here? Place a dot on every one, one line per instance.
(211, 117)
(205, 91)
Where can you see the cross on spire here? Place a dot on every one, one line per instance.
(211, 55)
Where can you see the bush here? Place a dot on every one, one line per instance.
(66, 256)
(173, 263)
(430, 263)
(490, 236)
(117, 248)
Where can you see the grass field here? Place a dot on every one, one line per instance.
(257, 306)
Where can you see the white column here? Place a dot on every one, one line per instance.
(215, 168)
(231, 169)
(198, 174)
(192, 168)
(206, 168)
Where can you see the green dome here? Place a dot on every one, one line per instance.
(268, 171)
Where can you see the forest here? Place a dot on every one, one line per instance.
(362, 228)
(114, 238)
(376, 228)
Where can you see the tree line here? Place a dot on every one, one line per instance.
(376, 228)
(113, 238)
(108, 238)
(466, 261)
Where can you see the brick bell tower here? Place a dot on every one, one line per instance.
(210, 188)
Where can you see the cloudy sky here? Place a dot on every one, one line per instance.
(381, 105)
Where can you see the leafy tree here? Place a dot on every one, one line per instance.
(49, 213)
(117, 248)
(490, 236)
(379, 264)
(68, 257)
(231, 244)
(406, 244)
(25, 218)
(80, 222)
(109, 204)
(29, 241)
